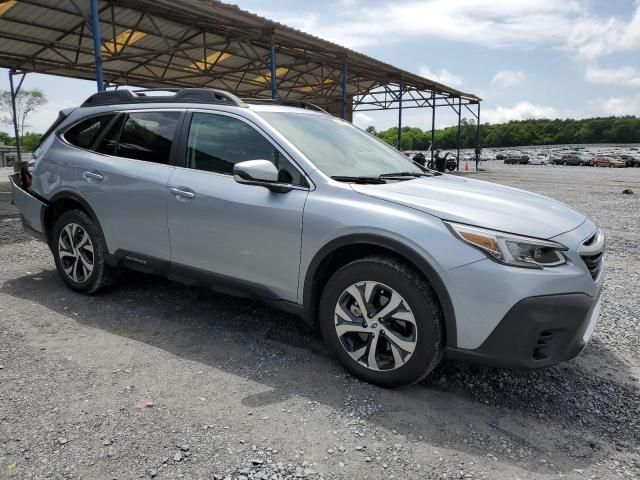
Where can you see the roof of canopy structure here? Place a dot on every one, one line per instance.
(203, 43)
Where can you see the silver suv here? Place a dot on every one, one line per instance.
(399, 266)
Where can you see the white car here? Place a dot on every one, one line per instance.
(538, 160)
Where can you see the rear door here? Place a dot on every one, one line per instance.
(241, 234)
(124, 180)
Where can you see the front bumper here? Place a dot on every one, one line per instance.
(538, 332)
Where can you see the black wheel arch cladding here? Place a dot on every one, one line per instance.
(312, 291)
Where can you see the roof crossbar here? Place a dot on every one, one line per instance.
(184, 95)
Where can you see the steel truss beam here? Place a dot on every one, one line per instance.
(387, 97)
(175, 51)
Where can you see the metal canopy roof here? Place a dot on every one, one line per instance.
(204, 43)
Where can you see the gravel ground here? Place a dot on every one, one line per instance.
(157, 380)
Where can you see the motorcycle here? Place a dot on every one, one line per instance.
(448, 162)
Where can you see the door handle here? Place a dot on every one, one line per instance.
(92, 176)
(183, 192)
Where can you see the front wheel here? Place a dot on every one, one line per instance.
(79, 252)
(382, 321)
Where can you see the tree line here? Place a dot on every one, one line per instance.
(520, 132)
(511, 134)
(28, 142)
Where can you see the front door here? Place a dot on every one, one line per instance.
(239, 233)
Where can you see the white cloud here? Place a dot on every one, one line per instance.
(620, 106)
(508, 78)
(348, 4)
(520, 111)
(568, 25)
(441, 76)
(628, 76)
(593, 38)
(491, 23)
(362, 120)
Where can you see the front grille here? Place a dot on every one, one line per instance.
(592, 253)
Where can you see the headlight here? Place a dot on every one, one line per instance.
(512, 249)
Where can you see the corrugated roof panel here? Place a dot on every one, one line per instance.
(6, 6)
(44, 35)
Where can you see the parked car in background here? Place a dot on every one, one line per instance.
(554, 159)
(397, 265)
(606, 161)
(516, 158)
(575, 159)
(629, 160)
(585, 158)
(538, 159)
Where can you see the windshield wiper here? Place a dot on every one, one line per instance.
(342, 178)
(405, 174)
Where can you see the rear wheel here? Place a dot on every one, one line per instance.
(382, 321)
(565, 163)
(79, 250)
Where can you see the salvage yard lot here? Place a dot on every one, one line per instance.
(156, 379)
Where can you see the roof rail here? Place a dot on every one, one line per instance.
(287, 102)
(180, 95)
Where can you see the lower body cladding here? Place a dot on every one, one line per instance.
(523, 318)
(538, 332)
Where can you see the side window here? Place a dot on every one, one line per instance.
(144, 136)
(85, 133)
(217, 142)
(109, 143)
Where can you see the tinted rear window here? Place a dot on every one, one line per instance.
(85, 133)
(148, 136)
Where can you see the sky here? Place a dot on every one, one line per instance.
(524, 58)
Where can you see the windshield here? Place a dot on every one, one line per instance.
(338, 148)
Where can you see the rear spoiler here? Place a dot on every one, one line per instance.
(61, 117)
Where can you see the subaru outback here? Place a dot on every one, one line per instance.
(397, 265)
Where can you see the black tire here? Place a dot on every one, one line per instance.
(101, 274)
(417, 294)
(565, 163)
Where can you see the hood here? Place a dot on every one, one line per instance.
(479, 203)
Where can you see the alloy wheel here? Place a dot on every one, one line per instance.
(75, 251)
(375, 326)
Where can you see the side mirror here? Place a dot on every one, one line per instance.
(255, 172)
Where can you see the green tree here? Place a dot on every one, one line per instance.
(7, 139)
(30, 141)
(27, 103)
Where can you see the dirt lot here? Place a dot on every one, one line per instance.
(155, 379)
